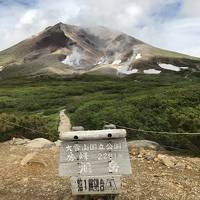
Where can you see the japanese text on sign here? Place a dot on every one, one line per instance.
(94, 157)
(95, 185)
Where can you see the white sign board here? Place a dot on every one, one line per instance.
(96, 185)
(95, 157)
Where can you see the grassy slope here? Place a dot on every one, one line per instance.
(163, 103)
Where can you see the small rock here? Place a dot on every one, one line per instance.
(145, 144)
(19, 141)
(32, 158)
(77, 128)
(27, 158)
(25, 179)
(58, 143)
(188, 167)
(132, 151)
(40, 143)
(180, 165)
(150, 155)
(142, 151)
(167, 161)
(124, 184)
(156, 159)
(139, 156)
(109, 126)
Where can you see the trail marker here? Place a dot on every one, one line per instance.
(95, 185)
(95, 160)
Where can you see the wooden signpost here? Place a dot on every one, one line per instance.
(94, 160)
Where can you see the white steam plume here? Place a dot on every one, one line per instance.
(74, 59)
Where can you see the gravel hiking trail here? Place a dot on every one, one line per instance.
(65, 124)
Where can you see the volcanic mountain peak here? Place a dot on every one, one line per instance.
(68, 50)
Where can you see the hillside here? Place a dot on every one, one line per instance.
(66, 50)
(165, 102)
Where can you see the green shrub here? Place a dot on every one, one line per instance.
(25, 126)
(166, 102)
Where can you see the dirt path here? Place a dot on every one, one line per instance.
(65, 124)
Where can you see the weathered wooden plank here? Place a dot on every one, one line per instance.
(95, 185)
(101, 157)
(93, 135)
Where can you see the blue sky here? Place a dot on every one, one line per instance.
(22, 2)
(169, 11)
(169, 24)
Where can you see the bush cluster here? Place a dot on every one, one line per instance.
(166, 102)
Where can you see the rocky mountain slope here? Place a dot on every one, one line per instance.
(29, 170)
(66, 50)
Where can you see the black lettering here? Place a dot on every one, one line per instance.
(102, 185)
(80, 185)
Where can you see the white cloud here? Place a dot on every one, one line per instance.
(147, 20)
(29, 16)
(191, 8)
(180, 35)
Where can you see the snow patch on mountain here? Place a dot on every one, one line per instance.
(125, 70)
(152, 71)
(1, 68)
(184, 67)
(170, 67)
(74, 59)
(116, 62)
(138, 56)
(103, 61)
